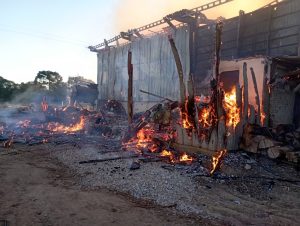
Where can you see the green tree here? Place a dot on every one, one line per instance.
(48, 79)
(7, 89)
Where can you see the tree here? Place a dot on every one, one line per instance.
(48, 79)
(7, 89)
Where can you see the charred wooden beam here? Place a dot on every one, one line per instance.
(245, 93)
(257, 99)
(168, 21)
(109, 159)
(155, 95)
(130, 87)
(179, 70)
(266, 97)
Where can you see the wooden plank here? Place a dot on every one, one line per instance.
(213, 141)
(221, 134)
(179, 137)
(192, 149)
(251, 118)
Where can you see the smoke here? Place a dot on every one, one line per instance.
(135, 13)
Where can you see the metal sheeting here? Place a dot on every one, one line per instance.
(154, 68)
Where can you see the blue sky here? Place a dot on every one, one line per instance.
(54, 34)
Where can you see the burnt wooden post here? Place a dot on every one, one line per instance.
(266, 96)
(257, 99)
(245, 93)
(130, 87)
(239, 32)
(179, 70)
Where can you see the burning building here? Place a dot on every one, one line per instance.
(246, 72)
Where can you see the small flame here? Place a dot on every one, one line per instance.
(185, 158)
(231, 108)
(185, 118)
(44, 105)
(169, 154)
(216, 159)
(262, 117)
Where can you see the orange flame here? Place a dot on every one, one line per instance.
(216, 159)
(144, 138)
(205, 119)
(44, 105)
(185, 158)
(262, 117)
(169, 154)
(231, 108)
(68, 129)
(185, 118)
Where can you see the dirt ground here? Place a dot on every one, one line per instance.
(38, 190)
(45, 185)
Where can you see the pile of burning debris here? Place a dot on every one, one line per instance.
(47, 124)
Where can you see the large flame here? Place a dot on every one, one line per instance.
(144, 137)
(231, 108)
(216, 159)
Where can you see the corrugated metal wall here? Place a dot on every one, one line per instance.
(154, 68)
(272, 31)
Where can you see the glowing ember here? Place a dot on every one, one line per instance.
(216, 159)
(24, 123)
(262, 117)
(67, 129)
(231, 108)
(8, 143)
(152, 148)
(185, 158)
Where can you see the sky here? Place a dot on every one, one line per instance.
(53, 35)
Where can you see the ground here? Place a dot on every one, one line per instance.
(38, 190)
(46, 185)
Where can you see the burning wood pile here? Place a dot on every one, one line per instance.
(49, 124)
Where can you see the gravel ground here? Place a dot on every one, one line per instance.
(187, 190)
